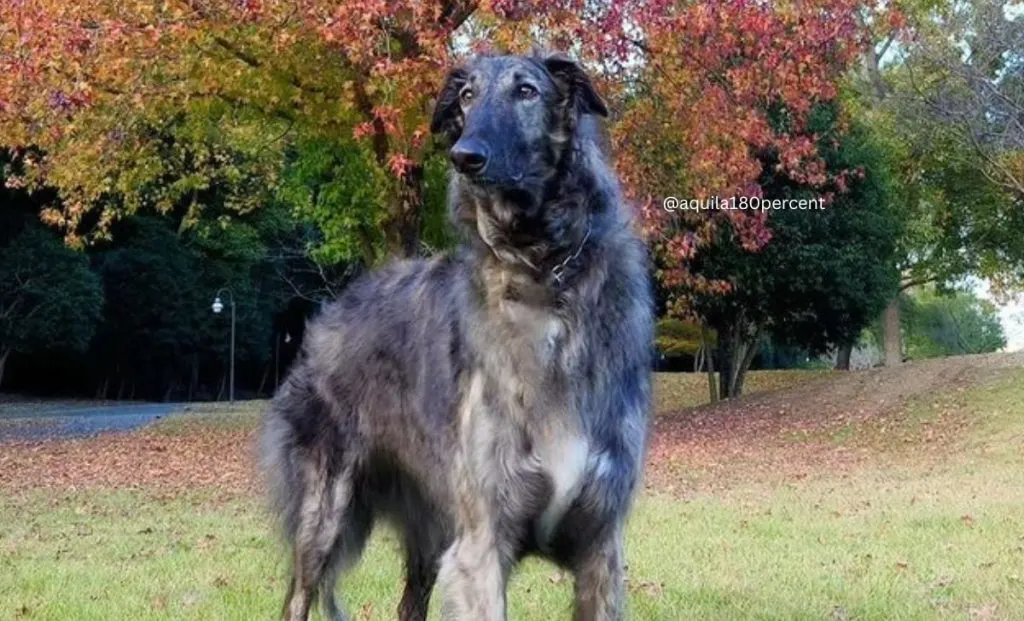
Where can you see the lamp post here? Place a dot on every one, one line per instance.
(218, 306)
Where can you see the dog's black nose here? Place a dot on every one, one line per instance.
(469, 156)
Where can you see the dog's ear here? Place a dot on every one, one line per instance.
(447, 117)
(571, 77)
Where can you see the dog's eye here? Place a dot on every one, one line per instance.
(466, 95)
(525, 91)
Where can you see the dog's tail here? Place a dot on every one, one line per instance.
(295, 410)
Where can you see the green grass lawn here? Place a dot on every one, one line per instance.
(898, 538)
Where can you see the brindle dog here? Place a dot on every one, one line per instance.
(492, 402)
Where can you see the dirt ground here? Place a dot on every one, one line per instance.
(800, 431)
(787, 434)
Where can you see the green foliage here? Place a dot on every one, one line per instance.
(436, 231)
(180, 162)
(675, 337)
(49, 299)
(826, 273)
(958, 323)
(943, 141)
(336, 187)
(158, 322)
(775, 356)
(150, 283)
(832, 269)
(157, 336)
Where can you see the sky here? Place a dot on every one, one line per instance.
(1013, 323)
(1011, 315)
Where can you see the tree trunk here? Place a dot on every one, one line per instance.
(3, 363)
(751, 348)
(709, 354)
(263, 380)
(402, 230)
(169, 383)
(843, 357)
(892, 340)
(193, 380)
(727, 348)
(737, 355)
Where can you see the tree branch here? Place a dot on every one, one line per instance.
(916, 282)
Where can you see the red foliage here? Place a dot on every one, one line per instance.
(715, 72)
(697, 80)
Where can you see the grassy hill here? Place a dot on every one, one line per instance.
(873, 495)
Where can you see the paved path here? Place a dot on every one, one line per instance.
(70, 420)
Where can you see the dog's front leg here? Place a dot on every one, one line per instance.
(600, 582)
(474, 577)
(473, 571)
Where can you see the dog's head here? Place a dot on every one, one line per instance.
(511, 118)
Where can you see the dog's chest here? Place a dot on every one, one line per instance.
(531, 389)
(563, 457)
(534, 335)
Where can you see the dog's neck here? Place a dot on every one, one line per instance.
(550, 249)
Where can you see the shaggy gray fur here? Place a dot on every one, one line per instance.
(493, 402)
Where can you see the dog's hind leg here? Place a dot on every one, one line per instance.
(600, 582)
(356, 527)
(425, 540)
(325, 500)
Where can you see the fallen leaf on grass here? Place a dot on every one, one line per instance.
(649, 588)
(365, 611)
(987, 611)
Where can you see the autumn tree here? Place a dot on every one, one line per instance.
(726, 87)
(101, 86)
(824, 275)
(143, 105)
(94, 83)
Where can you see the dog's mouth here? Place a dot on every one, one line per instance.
(481, 181)
(525, 201)
(516, 189)
(511, 181)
